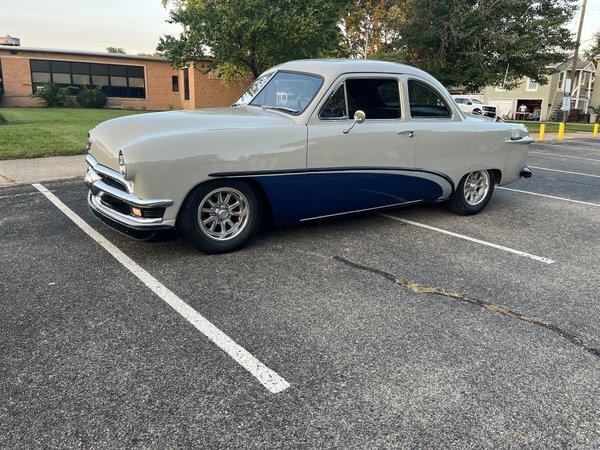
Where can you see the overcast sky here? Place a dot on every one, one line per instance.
(134, 25)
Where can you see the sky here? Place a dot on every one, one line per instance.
(90, 25)
(591, 22)
(134, 25)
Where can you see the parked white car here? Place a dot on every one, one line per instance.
(308, 140)
(475, 106)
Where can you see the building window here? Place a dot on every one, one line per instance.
(186, 84)
(561, 81)
(115, 80)
(175, 83)
(531, 85)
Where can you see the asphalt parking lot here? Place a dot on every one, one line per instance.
(414, 328)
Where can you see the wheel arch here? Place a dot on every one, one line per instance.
(267, 211)
(497, 175)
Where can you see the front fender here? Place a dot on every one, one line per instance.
(171, 166)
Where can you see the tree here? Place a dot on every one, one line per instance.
(242, 36)
(594, 50)
(472, 42)
(115, 50)
(370, 26)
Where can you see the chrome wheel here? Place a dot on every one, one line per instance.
(223, 214)
(476, 187)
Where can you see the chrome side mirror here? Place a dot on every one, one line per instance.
(359, 117)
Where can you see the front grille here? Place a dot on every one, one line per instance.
(115, 204)
(489, 111)
(113, 183)
(153, 213)
(121, 207)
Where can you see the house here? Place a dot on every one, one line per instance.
(533, 101)
(129, 81)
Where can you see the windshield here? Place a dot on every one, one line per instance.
(284, 91)
(254, 89)
(477, 102)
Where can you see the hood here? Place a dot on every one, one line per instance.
(113, 135)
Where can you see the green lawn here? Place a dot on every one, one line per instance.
(37, 132)
(552, 127)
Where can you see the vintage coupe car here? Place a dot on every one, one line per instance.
(308, 140)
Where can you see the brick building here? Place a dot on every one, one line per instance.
(130, 81)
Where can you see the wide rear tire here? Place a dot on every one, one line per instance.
(473, 192)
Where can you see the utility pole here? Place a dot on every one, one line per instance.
(575, 59)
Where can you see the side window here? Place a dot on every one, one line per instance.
(379, 98)
(459, 100)
(335, 108)
(425, 102)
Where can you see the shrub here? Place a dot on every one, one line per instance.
(1, 93)
(91, 98)
(53, 95)
(595, 110)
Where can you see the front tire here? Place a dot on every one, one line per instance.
(473, 192)
(220, 216)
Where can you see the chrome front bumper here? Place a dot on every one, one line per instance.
(114, 201)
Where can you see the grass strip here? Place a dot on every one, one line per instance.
(39, 132)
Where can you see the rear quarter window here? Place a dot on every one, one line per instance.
(425, 102)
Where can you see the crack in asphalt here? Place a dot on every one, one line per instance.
(565, 332)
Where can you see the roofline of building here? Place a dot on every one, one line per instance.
(79, 52)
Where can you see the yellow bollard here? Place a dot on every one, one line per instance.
(561, 131)
(595, 135)
(542, 131)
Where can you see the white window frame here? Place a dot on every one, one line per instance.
(529, 83)
(562, 76)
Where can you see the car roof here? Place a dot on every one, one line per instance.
(332, 68)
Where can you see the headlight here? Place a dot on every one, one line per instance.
(518, 134)
(122, 167)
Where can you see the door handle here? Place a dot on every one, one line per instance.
(410, 133)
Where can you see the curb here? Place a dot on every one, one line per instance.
(19, 172)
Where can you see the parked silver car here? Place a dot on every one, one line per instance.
(308, 140)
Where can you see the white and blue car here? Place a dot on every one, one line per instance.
(308, 140)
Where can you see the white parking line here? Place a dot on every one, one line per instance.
(269, 379)
(19, 195)
(565, 171)
(549, 196)
(468, 238)
(564, 156)
(577, 147)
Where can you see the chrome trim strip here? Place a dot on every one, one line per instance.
(96, 185)
(525, 140)
(109, 173)
(361, 210)
(137, 222)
